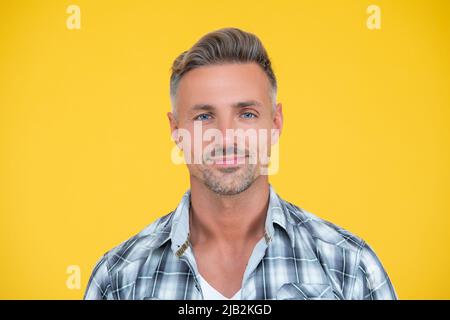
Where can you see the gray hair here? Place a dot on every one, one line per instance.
(227, 45)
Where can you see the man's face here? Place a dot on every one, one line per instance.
(230, 103)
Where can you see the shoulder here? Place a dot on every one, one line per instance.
(348, 259)
(322, 231)
(139, 246)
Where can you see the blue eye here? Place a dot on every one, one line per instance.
(203, 117)
(248, 115)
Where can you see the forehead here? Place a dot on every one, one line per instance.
(223, 84)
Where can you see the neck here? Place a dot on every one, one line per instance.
(234, 219)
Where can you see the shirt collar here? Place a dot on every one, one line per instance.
(179, 231)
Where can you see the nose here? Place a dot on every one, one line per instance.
(227, 127)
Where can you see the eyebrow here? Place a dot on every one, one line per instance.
(240, 104)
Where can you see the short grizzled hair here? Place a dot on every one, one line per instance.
(227, 45)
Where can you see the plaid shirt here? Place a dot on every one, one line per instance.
(300, 257)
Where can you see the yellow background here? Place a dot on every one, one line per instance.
(85, 143)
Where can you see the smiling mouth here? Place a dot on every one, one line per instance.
(228, 169)
(229, 161)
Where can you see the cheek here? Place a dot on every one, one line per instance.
(194, 170)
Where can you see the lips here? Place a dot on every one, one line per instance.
(233, 160)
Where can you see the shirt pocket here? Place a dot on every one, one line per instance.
(305, 291)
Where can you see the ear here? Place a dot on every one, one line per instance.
(277, 122)
(174, 129)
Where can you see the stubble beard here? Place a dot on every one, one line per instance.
(229, 181)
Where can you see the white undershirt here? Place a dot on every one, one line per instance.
(209, 293)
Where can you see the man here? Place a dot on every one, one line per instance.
(232, 236)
